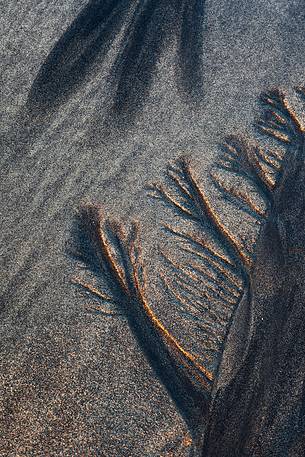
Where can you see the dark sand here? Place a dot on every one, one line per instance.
(74, 383)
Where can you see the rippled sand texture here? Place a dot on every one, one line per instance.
(93, 106)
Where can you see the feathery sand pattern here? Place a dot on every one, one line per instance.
(260, 293)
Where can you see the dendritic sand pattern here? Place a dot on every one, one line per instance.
(217, 285)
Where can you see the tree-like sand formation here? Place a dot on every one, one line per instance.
(248, 295)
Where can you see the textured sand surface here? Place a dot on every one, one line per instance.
(72, 382)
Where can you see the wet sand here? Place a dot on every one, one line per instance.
(73, 382)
